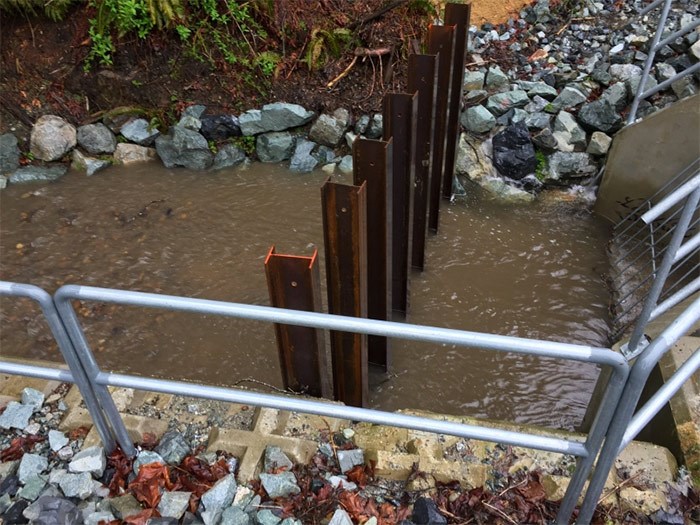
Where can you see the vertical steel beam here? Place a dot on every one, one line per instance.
(345, 237)
(457, 15)
(399, 126)
(372, 163)
(441, 40)
(294, 282)
(422, 79)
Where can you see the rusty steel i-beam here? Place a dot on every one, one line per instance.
(422, 79)
(399, 126)
(372, 163)
(441, 40)
(345, 238)
(457, 15)
(294, 282)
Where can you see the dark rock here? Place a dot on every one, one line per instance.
(513, 152)
(9, 153)
(599, 115)
(602, 77)
(184, 147)
(219, 127)
(376, 126)
(55, 511)
(545, 140)
(361, 124)
(9, 485)
(162, 521)
(14, 515)
(425, 512)
(96, 139)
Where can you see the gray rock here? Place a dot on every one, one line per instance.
(569, 97)
(235, 516)
(539, 89)
(96, 139)
(518, 115)
(57, 440)
(340, 517)
(347, 459)
(496, 79)
(51, 510)
(65, 453)
(475, 97)
(279, 116)
(545, 141)
(567, 165)
(95, 518)
(616, 95)
(190, 122)
(536, 105)
(8, 468)
(477, 119)
(276, 459)
(32, 488)
(9, 153)
(633, 84)
(169, 521)
(91, 459)
(31, 396)
(325, 155)
(664, 72)
(537, 121)
(195, 111)
(251, 122)
(425, 512)
(337, 481)
(140, 132)
(174, 504)
(184, 147)
(76, 485)
(345, 164)
(376, 127)
(173, 447)
(292, 521)
(599, 144)
(327, 130)
(5, 503)
(125, 506)
(216, 499)
(87, 164)
(145, 457)
(343, 116)
(568, 133)
(127, 154)
(29, 174)
(275, 146)
(220, 127)
(684, 87)
(51, 138)
(473, 161)
(16, 415)
(3, 182)
(361, 124)
(280, 485)
(624, 72)
(302, 160)
(228, 156)
(502, 102)
(267, 517)
(474, 80)
(599, 115)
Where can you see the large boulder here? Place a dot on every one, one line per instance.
(513, 152)
(569, 165)
(503, 102)
(570, 136)
(9, 153)
(477, 119)
(51, 138)
(126, 154)
(184, 147)
(279, 116)
(328, 130)
(569, 97)
(275, 146)
(96, 139)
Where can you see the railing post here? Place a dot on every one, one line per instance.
(457, 15)
(372, 163)
(441, 41)
(294, 283)
(399, 126)
(422, 79)
(345, 238)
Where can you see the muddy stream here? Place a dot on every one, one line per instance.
(530, 271)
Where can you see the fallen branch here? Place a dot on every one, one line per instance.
(617, 487)
(379, 12)
(343, 74)
(364, 52)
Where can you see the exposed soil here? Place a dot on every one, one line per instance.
(42, 65)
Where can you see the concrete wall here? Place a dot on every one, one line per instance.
(646, 154)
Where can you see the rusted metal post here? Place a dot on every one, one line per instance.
(372, 163)
(422, 79)
(399, 126)
(345, 237)
(440, 42)
(457, 15)
(294, 282)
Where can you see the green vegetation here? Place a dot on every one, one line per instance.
(54, 9)
(325, 45)
(542, 166)
(246, 143)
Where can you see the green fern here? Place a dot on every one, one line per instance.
(55, 9)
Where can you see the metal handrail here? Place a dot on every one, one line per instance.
(586, 452)
(671, 200)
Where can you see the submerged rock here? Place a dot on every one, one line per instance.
(9, 153)
(29, 174)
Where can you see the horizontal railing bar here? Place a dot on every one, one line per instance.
(39, 372)
(672, 199)
(651, 7)
(294, 404)
(567, 351)
(662, 396)
(676, 298)
(682, 31)
(667, 83)
(688, 247)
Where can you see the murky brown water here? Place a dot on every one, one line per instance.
(531, 271)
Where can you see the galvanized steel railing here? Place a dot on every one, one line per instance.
(656, 44)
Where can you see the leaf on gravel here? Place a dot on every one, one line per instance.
(533, 491)
(142, 517)
(150, 441)
(18, 447)
(122, 466)
(147, 486)
(358, 474)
